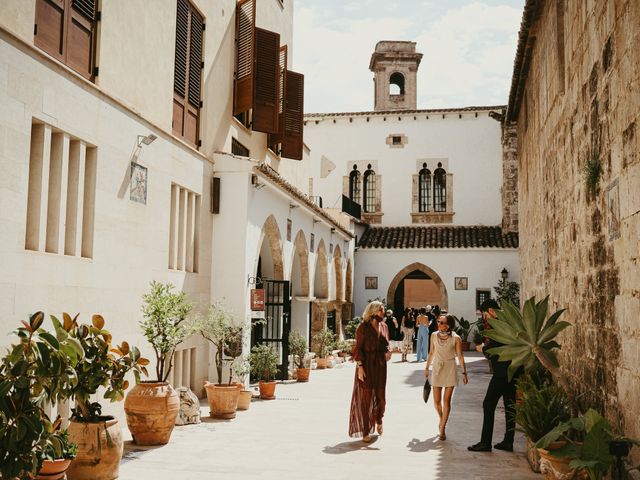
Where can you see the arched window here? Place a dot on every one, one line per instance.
(369, 186)
(439, 189)
(424, 189)
(354, 185)
(396, 84)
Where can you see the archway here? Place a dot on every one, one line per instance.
(396, 84)
(320, 278)
(300, 286)
(337, 266)
(348, 284)
(270, 264)
(417, 285)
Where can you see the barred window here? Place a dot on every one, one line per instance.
(354, 185)
(440, 189)
(369, 184)
(424, 188)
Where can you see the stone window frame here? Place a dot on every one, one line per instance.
(374, 217)
(404, 140)
(431, 216)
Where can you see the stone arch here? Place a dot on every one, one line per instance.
(393, 286)
(337, 265)
(301, 257)
(321, 277)
(271, 244)
(348, 283)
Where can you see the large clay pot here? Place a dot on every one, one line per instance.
(100, 447)
(53, 469)
(321, 363)
(331, 361)
(244, 400)
(554, 468)
(533, 456)
(223, 400)
(267, 390)
(151, 408)
(302, 374)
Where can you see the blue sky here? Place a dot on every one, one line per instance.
(468, 48)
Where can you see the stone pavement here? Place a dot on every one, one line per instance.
(303, 434)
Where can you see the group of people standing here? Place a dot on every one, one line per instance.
(435, 335)
(415, 324)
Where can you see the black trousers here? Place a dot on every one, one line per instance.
(499, 386)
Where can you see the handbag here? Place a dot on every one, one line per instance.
(426, 391)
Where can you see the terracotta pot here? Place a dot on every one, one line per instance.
(239, 385)
(533, 456)
(554, 468)
(267, 390)
(331, 361)
(321, 363)
(302, 374)
(100, 447)
(53, 469)
(151, 408)
(223, 400)
(244, 399)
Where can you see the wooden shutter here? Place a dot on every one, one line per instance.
(292, 142)
(266, 81)
(245, 33)
(187, 77)
(276, 138)
(49, 27)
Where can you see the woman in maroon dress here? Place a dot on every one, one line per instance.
(370, 353)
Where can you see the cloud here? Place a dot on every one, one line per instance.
(468, 50)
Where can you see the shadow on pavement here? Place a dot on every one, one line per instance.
(417, 446)
(354, 446)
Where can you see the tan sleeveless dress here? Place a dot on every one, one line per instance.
(445, 371)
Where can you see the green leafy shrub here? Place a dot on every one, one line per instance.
(325, 341)
(352, 326)
(264, 362)
(297, 348)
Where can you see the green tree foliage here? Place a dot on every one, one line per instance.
(507, 291)
(264, 362)
(297, 348)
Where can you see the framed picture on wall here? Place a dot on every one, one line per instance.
(138, 185)
(461, 283)
(371, 283)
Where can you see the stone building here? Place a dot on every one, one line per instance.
(136, 150)
(575, 104)
(432, 207)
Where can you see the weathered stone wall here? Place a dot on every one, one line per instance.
(582, 101)
(509, 189)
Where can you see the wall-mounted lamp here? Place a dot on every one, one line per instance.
(333, 230)
(255, 182)
(315, 220)
(292, 206)
(148, 140)
(504, 273)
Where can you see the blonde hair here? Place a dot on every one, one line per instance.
(370, 309)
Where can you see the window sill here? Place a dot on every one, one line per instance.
(372, 217)
(432, 217)
(238, 123)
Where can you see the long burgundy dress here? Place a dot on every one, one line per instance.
(368, 399)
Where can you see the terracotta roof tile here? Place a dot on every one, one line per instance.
(455, 236)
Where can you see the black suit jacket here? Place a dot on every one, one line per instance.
(500, 369)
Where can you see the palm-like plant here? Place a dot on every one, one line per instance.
(527, 337)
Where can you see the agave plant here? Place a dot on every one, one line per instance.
(527, 337)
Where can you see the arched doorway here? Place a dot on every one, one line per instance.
(416, 285)
(270, 263)
(300, 285)
(320, 292)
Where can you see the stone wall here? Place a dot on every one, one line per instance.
(509, 189)
(581, 104)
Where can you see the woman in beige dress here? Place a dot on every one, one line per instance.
(445, 345)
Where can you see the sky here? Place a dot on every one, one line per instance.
(468, 49)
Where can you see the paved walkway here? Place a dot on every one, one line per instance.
(303, 434)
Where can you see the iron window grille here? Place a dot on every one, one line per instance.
(424, 188)
(354, 185)
(369, 186)
(439, 189)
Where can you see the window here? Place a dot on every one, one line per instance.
(184, 229)
(481, 296)
(66, 30)
(187, 77)
(239, 149)
(355, 185)
(424, 188)
(440, 189)
(369, 186)
(396, 84)
(396, 140)
(61, 193)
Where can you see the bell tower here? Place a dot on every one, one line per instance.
(395, 66)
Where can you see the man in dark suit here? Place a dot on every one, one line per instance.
(499, 386)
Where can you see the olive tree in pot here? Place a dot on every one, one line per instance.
(264, 366)
(152, 407)
(298, 349)
(104, 367)
(324, 341)
(219, 328)
(39, 369)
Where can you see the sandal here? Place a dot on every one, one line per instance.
(366, 438)
(379, 429)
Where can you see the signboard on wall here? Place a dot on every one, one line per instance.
(257, 299)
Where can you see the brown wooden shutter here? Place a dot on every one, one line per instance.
(266, 81)
(81, 33)
(245, 33)
(49, 27)
(276, 138)
(187, 76)
(292, 141)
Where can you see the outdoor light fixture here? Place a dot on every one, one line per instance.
(333, 230)
(255, 182)
(292, 206)
(148, 140)
(504, 273)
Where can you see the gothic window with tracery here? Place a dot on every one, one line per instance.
(369, 187)
(439, 189)
(354, 185)
(424, 188)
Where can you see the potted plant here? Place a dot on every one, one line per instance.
(351, 327)
(104, 367)
(39, 369)
(298, 349)
(264, 366)
(219, 328)
(241, 370)
(152, 407)
(58, 453)
(345, 347)
(324, 341)
(462, 329)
